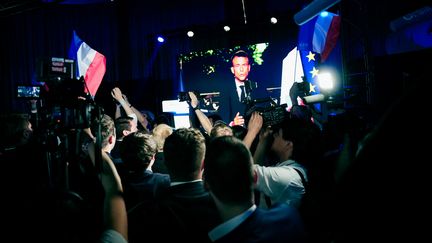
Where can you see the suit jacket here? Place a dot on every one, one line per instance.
(159, 164)
(282, 223)
(142, 186)
(182, 212)
(229, 103)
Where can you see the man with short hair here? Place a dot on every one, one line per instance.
(229, 177)
(185, 211)
(124, 126)
(137, 152)
(236, 94)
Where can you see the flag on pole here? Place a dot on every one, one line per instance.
(311, 61)
(292, 72)
(320, 34)
(317, 38)
(91, 64)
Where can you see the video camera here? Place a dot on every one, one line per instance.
(66, 105)
(55, 68)
(184, 96)
(271, 115)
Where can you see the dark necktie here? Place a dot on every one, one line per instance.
(242, 93)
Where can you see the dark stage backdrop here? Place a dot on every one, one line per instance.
(123, 31)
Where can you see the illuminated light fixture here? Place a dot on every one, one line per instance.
(190, 33)
(273, 20)
(324, 14)
(312, 10)
(160, 39)
(312, 99)
(326, 81)
(227, 28)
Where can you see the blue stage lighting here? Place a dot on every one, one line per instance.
(160, 39)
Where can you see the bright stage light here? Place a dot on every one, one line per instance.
(273, 20)
(227, 28)
(160, 39)
(324, 14)
(190, 33)
(326, 81)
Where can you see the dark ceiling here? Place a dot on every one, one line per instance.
(381, 12)
(373, 15)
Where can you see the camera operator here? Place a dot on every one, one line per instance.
(24, 177)
(295, 143)
(21, 153)
(16, 130)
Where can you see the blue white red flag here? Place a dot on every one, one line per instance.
(320, 34)
(91, 64)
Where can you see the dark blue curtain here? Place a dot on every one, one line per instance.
(123, 31)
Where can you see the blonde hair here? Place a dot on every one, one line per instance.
(160, 133)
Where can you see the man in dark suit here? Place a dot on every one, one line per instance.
(185, 211)
(237, 96)
(229, 178)
(137, 151)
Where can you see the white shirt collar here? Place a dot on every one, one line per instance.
(228, 226)
(183, 182)
(238, 83)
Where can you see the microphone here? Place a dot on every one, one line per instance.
(250, 85)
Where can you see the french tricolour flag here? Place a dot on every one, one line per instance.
(320, 34)
(91, 64)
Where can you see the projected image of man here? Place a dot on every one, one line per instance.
(237, 94)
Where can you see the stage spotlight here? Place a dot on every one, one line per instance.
(190, 33)
(273, 20)
(326, 81)
(324, 14)
(160, 39)
(227, 28)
